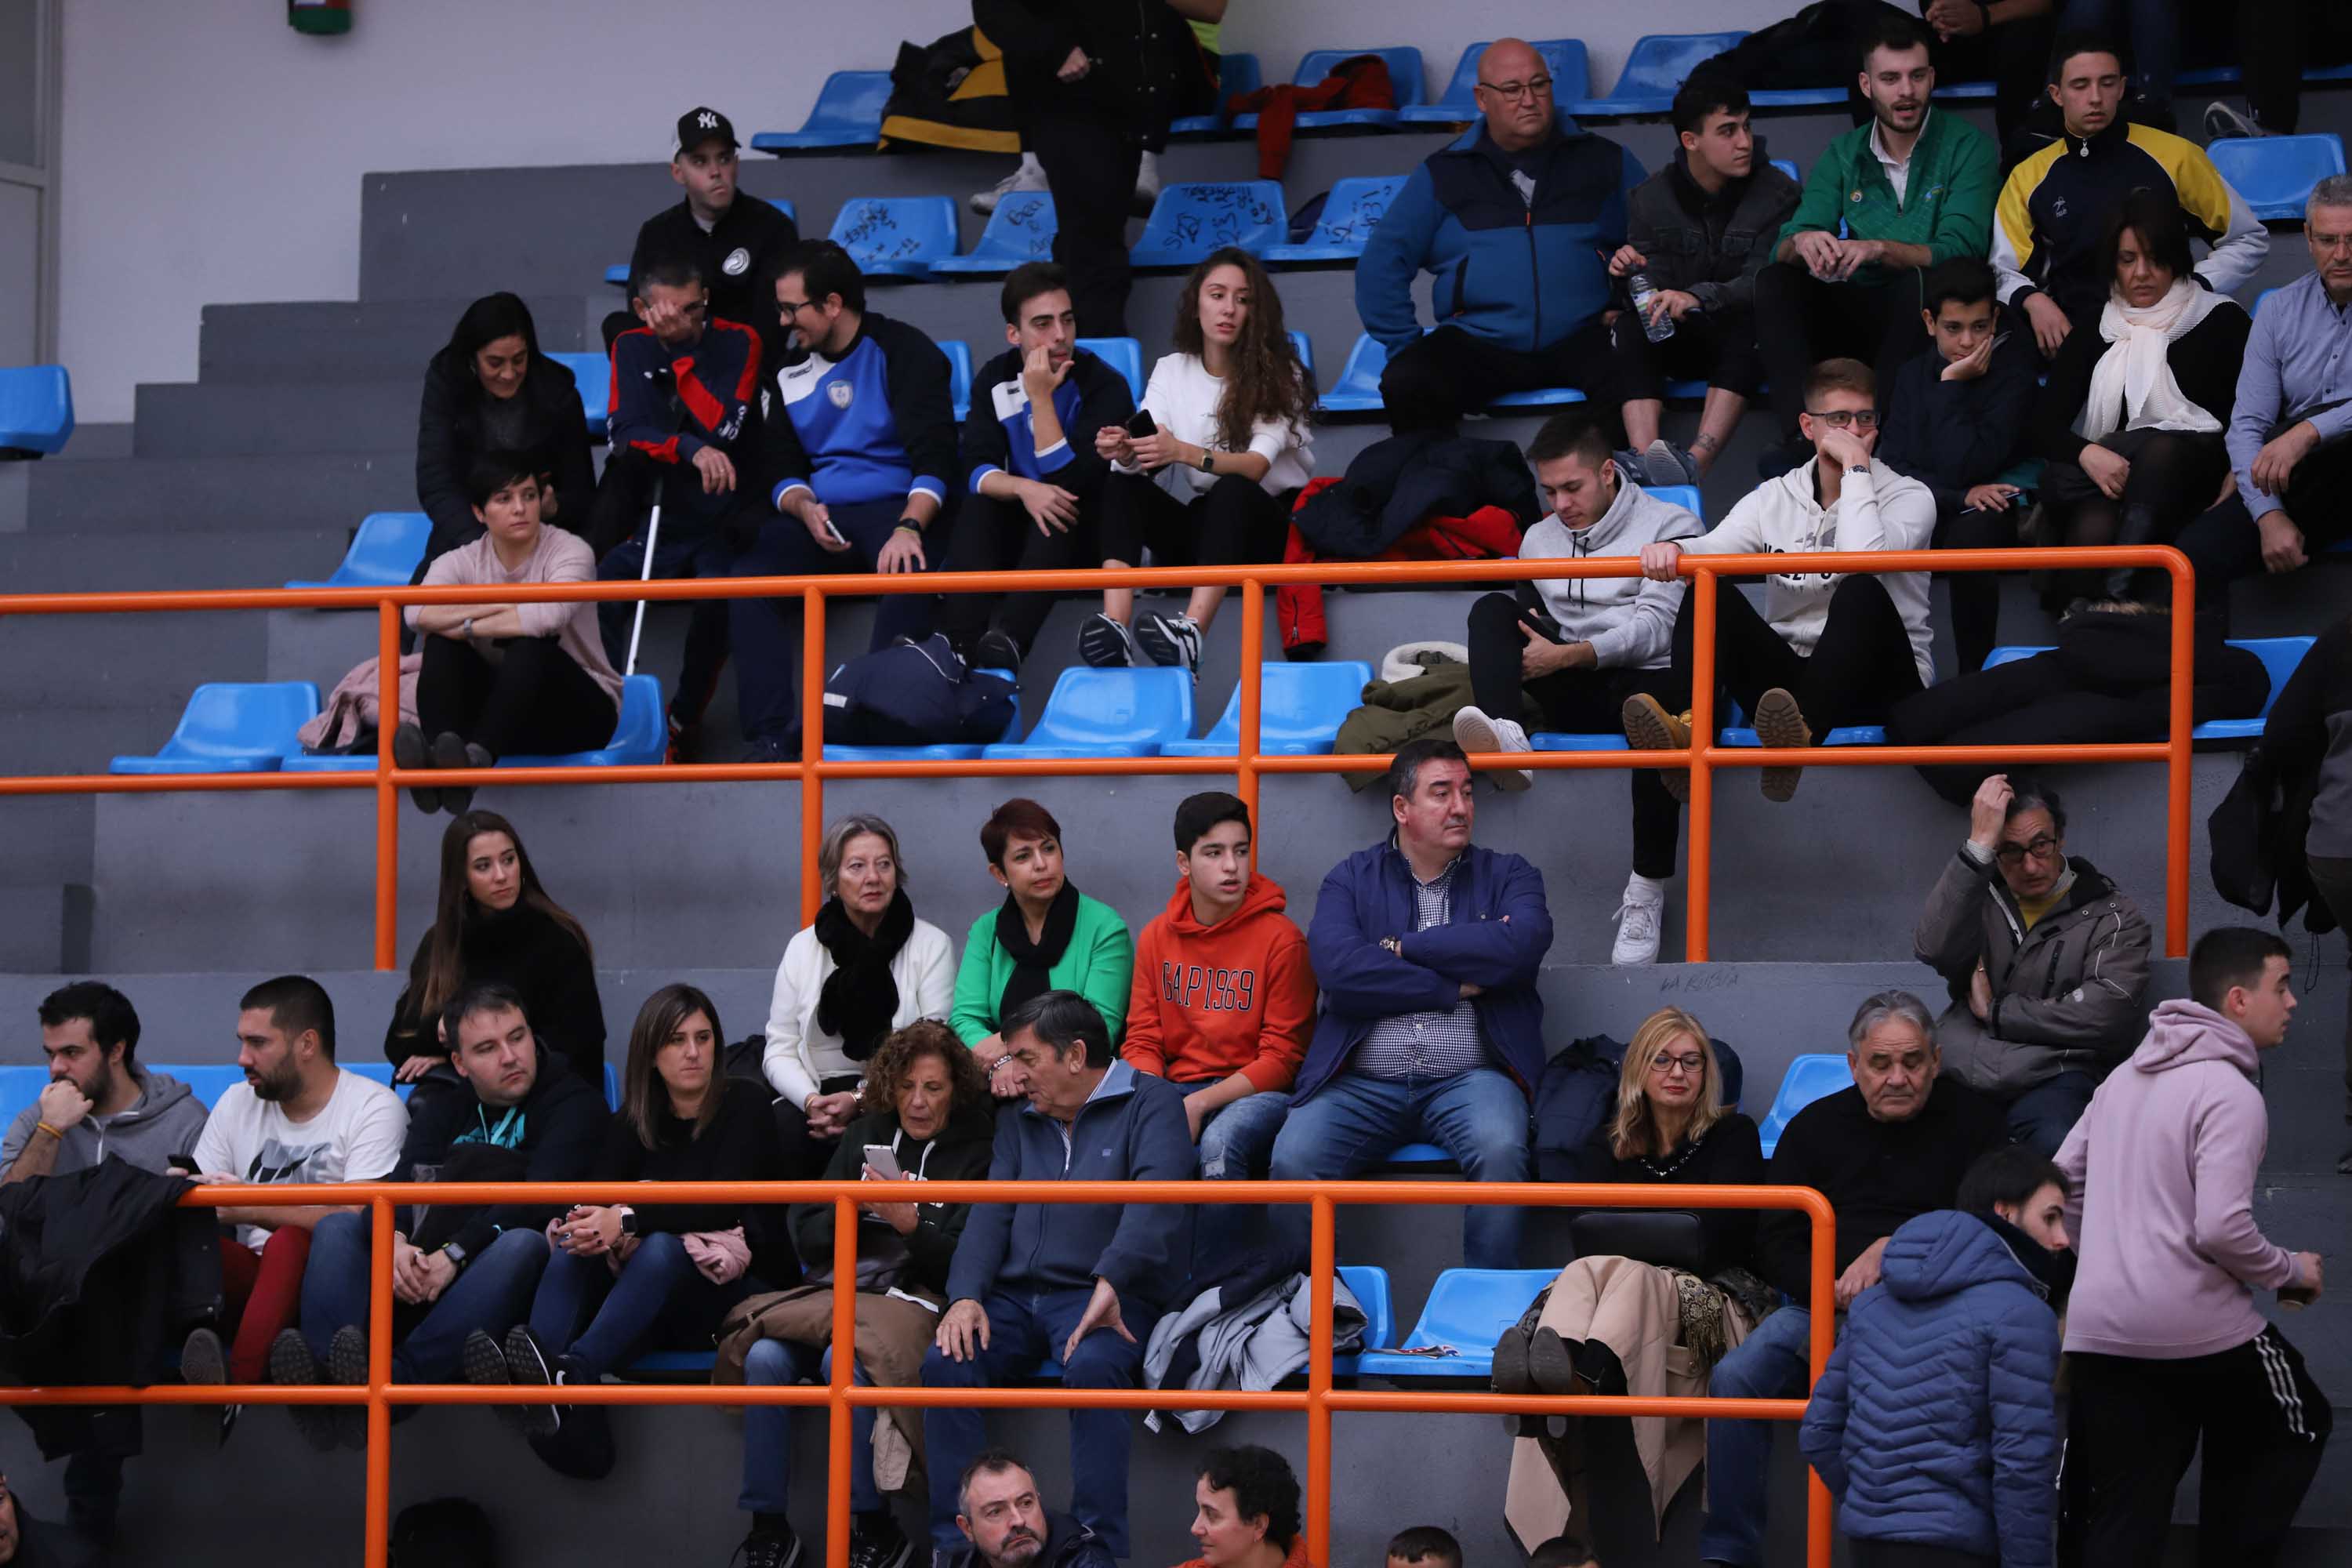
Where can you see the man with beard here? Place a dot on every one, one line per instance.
(99, 1100)
(1910, 189)
(997, 1509)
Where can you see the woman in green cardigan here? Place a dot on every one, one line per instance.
(1047, 936)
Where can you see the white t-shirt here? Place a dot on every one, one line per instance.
(1183, 397)
(357, 1137)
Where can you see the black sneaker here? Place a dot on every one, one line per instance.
(291, 1364)
(994, 650)
(485, 1367)
(1106, 644)
(1173, 640)
(203, 1362)
(409, 750)
(347, 1364)
(527, 1365)
(449, 752)
(876, 1541)
(773, 1549)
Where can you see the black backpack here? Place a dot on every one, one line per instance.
(446, 1532)
(915, 694)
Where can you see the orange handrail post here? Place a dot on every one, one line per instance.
(387, 793)
(813, 894)
(2175, 795)
(379, 1381)
(1700, 884)
(839, 1412)
(1252, 694)
(1322, 1268)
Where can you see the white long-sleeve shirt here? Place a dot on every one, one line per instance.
(799, 1054)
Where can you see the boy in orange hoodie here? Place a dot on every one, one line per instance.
(1224, 997)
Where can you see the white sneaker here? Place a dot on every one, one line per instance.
(1029, 176)
(1147, 184)
(1173, 640)
(1639, 920)
(2221, 121)
(1475, 732)
(1106, 644)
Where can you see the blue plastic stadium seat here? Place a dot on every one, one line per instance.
(1968, 90)
(232, 728)
(848, 113)
(206, 1080)
(1299, 710)
(593, 374)
(383, 553)
(896, 236)
(641, 735)
(1368, 1282)
(1193, 218)
(1416, 1156)
(20, 1086)
(612, 1086)
(1571, 78)
(941, 753)
(1020, 230)
(1810, 1077)
(1350, 212)
(959, 355)
(1306, 348)
(2279, 656)
(1358, 390)
(2275, 174)
(1656, 68)
(1538, 397)
(1124, 355)
(1236, 73)
(1563, 741)
(36, 410)
(1109, 714)
(1788, 168)
(1404, 79)
(1468, 1308)
(1684, 496)
(1843, 735)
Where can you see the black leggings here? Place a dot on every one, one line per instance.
(2174, 474)
(1235, 522)
(1859, 668)
(535, 699)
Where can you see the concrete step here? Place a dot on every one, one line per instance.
(201, 420)
(70, 665)
(205, 494)
(65, 562)
(339, 341)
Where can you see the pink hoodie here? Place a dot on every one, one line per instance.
(2163, 1164)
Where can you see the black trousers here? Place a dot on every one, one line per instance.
(2332, 877)
(2277, 40)
(1234, 523)
(1976, 596)
(1000, 536)
(532, 698)
(2132, 1425)
(2015, 58)
(1719, 350)
(1858, 671)
(1450, 372)
(1863, 1552)
(2225, 545)
(805, 1156)
(1090, 164)
(2174, 474)
(1801, 321)
(1580, 701)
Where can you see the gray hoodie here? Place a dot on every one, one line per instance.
(163, 1122)
(1629, 621)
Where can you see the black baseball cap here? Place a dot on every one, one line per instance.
(702, 124)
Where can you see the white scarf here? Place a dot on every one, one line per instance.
(2132, 386)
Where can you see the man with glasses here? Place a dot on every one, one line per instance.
(1512, 220)
(1828, 649)
(2046, 959)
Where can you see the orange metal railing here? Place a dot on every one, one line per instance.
(1247, 768)
(1318, 1400)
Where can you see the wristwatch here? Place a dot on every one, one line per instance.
(455, 1253)
(911, 522)
(629, 1222)
(1208, 465)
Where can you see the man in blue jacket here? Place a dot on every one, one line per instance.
(1427, 951)
(1080, 1284)
(1513, 221)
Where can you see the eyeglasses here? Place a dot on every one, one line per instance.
(1849, 419)
(1666, 1064)
(792, 307)
(1512, 91)
(2040, 846)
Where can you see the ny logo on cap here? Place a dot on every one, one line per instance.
(707, 121)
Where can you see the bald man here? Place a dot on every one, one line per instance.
(1514, 221)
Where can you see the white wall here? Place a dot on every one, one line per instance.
(211, 154)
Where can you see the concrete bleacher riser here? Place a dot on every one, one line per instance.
(335, 341)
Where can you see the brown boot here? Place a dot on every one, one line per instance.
(1650, 727)
(1780, 725)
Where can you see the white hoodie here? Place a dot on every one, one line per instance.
(1880, 509)
(1629, 621)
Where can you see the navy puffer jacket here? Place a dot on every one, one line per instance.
(1936, 1422)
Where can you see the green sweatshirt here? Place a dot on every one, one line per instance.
(1098, 964)
(1947, 204)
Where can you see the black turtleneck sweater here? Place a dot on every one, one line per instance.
(1729, 1154)
(542, 961)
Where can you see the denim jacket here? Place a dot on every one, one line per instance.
(1710, 247)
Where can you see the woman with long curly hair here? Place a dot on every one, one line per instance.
(1212, 483)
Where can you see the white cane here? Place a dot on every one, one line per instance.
(637, 629)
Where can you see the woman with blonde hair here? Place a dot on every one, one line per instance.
(1652, 1325)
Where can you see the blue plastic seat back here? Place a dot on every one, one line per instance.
(1299, 710)
(1306, 348)
(942, 752)
(612, 1086)
(1810, 1077)
(1684, 496)
(594, 373)
(235, 726)
(1020, 230)
(848, 113)
(959, 355)
(1788, 168)
(1358, 389)
(1659, 63)
(2275, 174)
(1193, 218)
(1236, 73)
(1124, 355)
(1468, 1308)
(640, 733)
(1350, 212)
(206, 1080)
(20, 1086)
(1571, 78)
(1368, 1282)
(36, 412)
(1404, 75)
(2280, 656)
(1116, 708)
(383, 553)
(896, 236)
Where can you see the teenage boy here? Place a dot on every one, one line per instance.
(1579, 648)
(734, 238)
(1954, 421)
(1700, 231)
(1031, 477)
(1223, 995)
(1828, 648)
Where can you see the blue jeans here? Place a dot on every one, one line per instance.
(768, 1429)
(1480, 1117)
(1237, 1144)
(2042, 1116)
(602, 1321)
(1023, 1329)
(491, 1294)
(1770, 1363)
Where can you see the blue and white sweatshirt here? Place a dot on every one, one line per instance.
(1001, 436)
(875, 424)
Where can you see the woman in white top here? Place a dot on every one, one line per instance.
(503, 679)
(864, 968)
(1230, 452)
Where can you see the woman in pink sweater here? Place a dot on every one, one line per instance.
(506, 680)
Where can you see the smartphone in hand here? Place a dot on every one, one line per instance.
(1140, 425)
(883, 1160)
